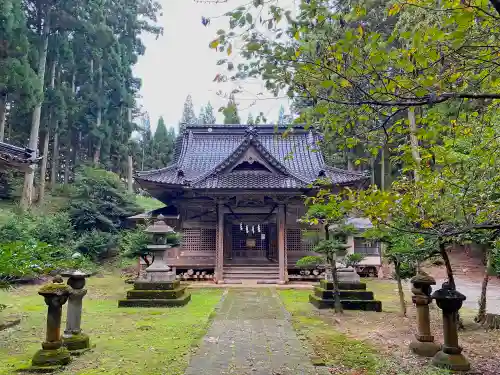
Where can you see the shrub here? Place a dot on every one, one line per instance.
(54, 229)
(100, 201)
(97, 245)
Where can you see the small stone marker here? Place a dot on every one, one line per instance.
(73, 338)
(52, 355)
(450, 356)
(423, 344)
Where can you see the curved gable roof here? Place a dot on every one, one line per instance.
(204, 151)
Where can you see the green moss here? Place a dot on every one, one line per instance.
(76, 342)
(54, 288)
(336, 349)
(120, 346)
(57, 357)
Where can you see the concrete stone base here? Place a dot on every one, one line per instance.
(174, 302)
(76, 342)
(49, 358)
(452, 362)
(363, 305)
(424, 349)
(328, 285)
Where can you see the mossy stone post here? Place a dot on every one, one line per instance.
(159, 270)
(53, 354)
(73, 338)
(423, 344)
(450, 356)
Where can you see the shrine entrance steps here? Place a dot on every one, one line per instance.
(241, 272)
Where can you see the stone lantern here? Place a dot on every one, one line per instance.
(73, 338)
(159, 270)
(450, 356)
(53, 354)
(423, 344)
(160, 288)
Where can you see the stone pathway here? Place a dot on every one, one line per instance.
(252, 335)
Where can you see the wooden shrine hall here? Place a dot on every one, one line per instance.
(236, 192)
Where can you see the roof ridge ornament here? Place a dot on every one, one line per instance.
(251, 132)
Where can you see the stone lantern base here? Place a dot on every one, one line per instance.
(451, 361)
(77, 343)
(353, 296)
(49, 360)
(424, 348)
(156, 294)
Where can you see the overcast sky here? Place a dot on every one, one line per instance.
(180, 63)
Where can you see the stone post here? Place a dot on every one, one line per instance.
(423, 344)
(53, 354)
(450, 356)
(73, 338)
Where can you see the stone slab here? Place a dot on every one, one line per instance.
(177, 302)
(328, 285)
(156, 294)
(360, 305)
(344, 294)
(156, 285)
(252, 335)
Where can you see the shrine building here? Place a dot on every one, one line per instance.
(236, 192)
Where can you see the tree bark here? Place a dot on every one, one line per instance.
(333, 264)
(97, 151)
(382, 169)
(55, 160)
(43, 169)
(130, 179)
(481, 313)
(372, 167)
(401, 293)
(447, 263)
(27, 195)
(3, 115)
(414, 142)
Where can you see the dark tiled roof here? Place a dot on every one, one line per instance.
(13, 157)
(204, 153)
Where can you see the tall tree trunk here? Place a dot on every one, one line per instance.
(481, 313)
(130, 170)
(54, 169)
(372, 167)
(382, 169)
(45, 149)
(27, 195)
(67, 158)
(335, 279)
(3, 115)
(43, 169)
(97, 151)
(414, 142)
(447, 263)
(401, 293)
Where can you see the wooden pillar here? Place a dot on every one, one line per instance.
(219, 256)
(281, 244)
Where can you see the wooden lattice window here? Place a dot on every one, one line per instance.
(198, 239)
(293, 239)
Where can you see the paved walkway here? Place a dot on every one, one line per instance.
(251, 334)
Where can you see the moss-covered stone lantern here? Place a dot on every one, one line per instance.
(450, 356)
(160, 288)
(73, 338)
(53, 354)
(423, 344)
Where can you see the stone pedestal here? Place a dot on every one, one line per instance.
(73, 338)
(353, 295)
(423, 344)
(52, 355)
(450, 356)
(160, 287)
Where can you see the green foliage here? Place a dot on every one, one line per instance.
(55, 229)
(352, 260)
(97, 245)
(310, 261)
(133, 243)
(32, 258)
(100, 201)
(231, 112)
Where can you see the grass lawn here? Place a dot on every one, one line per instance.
(369, 343)
(128, 340)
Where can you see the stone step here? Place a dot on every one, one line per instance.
(250, 271)
(250, 277)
